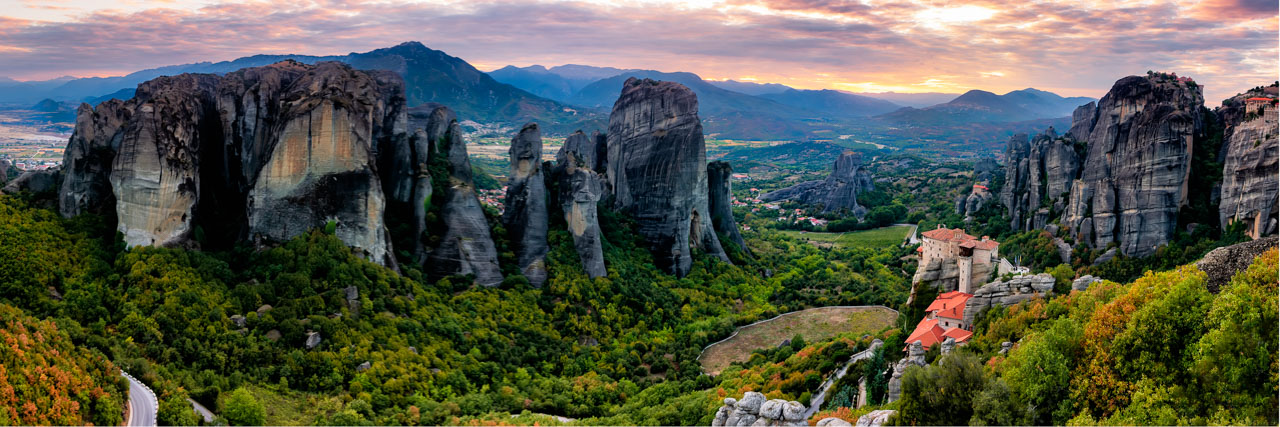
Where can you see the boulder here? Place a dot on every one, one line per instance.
(1106, 256)
(1083, 282)
(238, 320)
(793, 412)
(524, 212)
(875, 418)
(1223, 263)
(273, 335)
(364, 366)
(838, 192)
(263, 309)
(313, 340)
(1005, 347)
(466, 247)
(948, 345)
(722, 414)
(718, 182)
(1064, 250)
(772, 409)
(833, 422)
(657, 169)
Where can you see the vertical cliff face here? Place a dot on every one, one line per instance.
(525, 206)
(1133, 179)
(838, 192)
(465, 247)
(1250, 158)
(658, 172)
(718, 174)
(87, 161)
(580, 192)
(155, 175)
(1038, 177)
(267, 152)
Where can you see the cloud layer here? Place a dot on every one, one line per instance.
(1069, 47)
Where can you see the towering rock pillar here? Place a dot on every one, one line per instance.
(466, 247)
(86, 185)
(718, 175)
(657, 168)
(581, 189)
(1134, 177)
(525, 206)
(1249, 186)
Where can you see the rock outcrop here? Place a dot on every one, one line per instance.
(466, 247)
(1223, 263)
(876, 418)
(86, 163)
(580, 190)
(1038, 177)
(524, 212)
(915, 357)
(1134, 178)
(155, 176)
(838, 192)
(754, 410)
(34, 181)
(1250, 157)
(265, 153)
(591, 151)
(1007, 293)
(720, 200)
(1083, 283)
(657, 170)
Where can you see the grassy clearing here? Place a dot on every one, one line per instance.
(295, 408)
(814, 324)
(874, 238)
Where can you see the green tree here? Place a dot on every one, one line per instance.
(243, 409)
(941, 394)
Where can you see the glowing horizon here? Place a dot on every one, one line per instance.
(910, 46)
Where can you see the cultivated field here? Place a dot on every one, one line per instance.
(878, 237)
(814, 324)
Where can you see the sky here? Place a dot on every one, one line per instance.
(1074, 48)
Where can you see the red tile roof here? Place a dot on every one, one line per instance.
(950, 304)
(927, 332)
(985, 245)
(948, 234)
(960, 335)
(1258, 98)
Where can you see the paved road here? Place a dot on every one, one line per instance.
(815, 402)
(142, 403)
(202, 411)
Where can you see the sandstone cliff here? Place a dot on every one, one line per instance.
(267, 152)
(1133, 179)
(465, 247)
(718, 174)
(1250, 159)
(838, 192)
(657, 169)
(580, 190)
(87, 160)
(524, 212)
(1038, 177)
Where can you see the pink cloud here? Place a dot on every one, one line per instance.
(807, 43)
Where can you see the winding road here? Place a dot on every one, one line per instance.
(142, 403)
(815, 402)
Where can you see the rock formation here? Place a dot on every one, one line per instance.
(264, 153)
(876, 418)
(1133, 180)
(591, 150)
(718, 174)
(466, 246)
(657, 170)
(754, 410)
(1083, 283)
(34, 181)
(525, 207)
(4, 171)
(155, 176)
(1038, 177)
(1223, 263)
(580, 191)
(87, 160)
(1007, 293)
(915, 357)
(838, 192)
(1250, 157)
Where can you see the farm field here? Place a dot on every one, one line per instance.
(814, 324)
(875, 238)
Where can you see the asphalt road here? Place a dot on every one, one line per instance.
(142, 403)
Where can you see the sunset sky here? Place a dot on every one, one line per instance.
(1075, 48)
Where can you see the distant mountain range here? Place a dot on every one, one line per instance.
(979, 106)
(568, 97)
